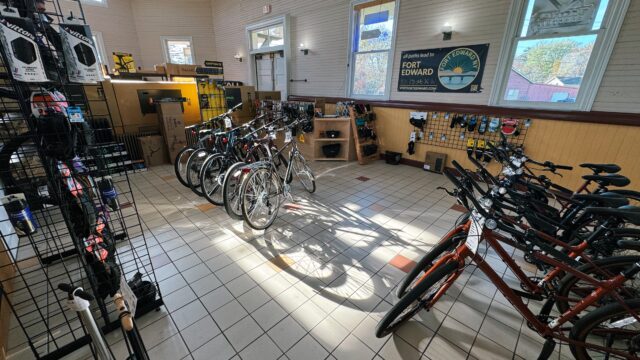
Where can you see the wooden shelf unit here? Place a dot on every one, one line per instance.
(362, 159)
(342, 124)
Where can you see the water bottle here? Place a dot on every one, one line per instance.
(108, 193)
(20, 215)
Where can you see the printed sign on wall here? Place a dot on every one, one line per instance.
(562, 16)
(452, 69)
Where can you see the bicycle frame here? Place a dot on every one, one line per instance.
(551, 330)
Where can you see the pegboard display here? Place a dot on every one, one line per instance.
(455, 130)
(211, 95)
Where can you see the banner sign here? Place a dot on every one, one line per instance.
(562, 16)
(452, 69)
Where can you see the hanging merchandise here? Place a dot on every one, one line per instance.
(510, 127)
(431, 135)
(488, 154)
(418, 119)
(412, 143)
(124, 62)
(454, 120)
(471, 144)
(462, 135)
(483, 125)
(494, 125)
(80, 54)
(463, 120)
(527, 123)
(472, 123)
(108, 193)
(480, 147)
(18, 39)
(20, 214)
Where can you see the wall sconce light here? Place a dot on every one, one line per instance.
(238, 57)
(447, 31)
(303, 49)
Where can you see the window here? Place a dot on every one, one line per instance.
(371, 54)
(178, 50)
(555, 52)
(267, 37)
(102, 3)
(99, 44)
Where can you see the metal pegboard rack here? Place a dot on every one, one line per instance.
(439, 132)
(70, 223)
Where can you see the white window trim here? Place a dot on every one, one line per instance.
(165, 50)
(100, 47)
(596, 68)
(286, 48)
(101, 3)
(350, 54)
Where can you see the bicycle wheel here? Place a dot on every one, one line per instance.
(304, 173)
(611, 327)
(194, 165)
(416, 299)
(231, 190)
(260, 198)
(573, 289)
(211, 177)
(180, 164)
(444, 246)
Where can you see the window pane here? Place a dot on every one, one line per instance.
(563, 16)
(179, 52)
(276, 36)
(370, 74)
(259, 38)
(549, 70)
(375, 27)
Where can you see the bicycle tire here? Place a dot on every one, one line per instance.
(245, 210)
(194, 165)
(231, 191)
(443, 246)
(178, 163)
(388, 324)
(581, 329)
(304, 172)
(613, 264)
(214, 194)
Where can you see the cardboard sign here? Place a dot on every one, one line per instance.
(171, 121)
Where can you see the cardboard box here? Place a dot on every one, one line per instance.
(267, 95)
(435, 162)
(172, 125)
(154, 150)
(180, 69)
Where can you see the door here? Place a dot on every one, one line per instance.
(271, 72)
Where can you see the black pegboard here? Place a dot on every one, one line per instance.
(438, 131)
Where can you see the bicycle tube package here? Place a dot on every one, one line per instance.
(80, 53)
(18, 39)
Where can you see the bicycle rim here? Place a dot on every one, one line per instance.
(231, 190)
(180, 165)
(210, 179)
(304, 174)
(260, 198)
(194, 165)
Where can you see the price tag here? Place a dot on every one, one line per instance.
(128, 295)
(227, 122)
(287, 136)
(75, 114)
(475, 231)
(301, 138)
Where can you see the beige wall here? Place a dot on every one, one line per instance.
(116, 24)
(323, 26)
(156, 18)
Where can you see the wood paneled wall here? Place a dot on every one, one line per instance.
(566, 143)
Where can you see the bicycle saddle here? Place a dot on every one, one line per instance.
(628, 213)
(629, 194)
(203, 133)
(609, 180)
(629, 244)
(607, 199)
(192, 127)
(600, 168)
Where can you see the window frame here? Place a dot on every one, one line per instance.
(99, 44)
(165, 48)
(596, 67)
(351, 54)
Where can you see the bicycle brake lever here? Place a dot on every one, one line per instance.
(449, 192)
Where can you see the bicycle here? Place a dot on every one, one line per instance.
(263, 187)
(439, 277)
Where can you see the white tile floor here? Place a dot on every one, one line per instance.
(316, 283)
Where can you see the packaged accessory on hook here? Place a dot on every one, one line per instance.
(80, 53)
(18, 38)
